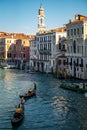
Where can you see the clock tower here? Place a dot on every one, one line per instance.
(41, 23)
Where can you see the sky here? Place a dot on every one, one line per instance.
(21, 16)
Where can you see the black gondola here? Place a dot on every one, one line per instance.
(29, 94)
(18, 116)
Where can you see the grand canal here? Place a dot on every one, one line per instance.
(52, 109)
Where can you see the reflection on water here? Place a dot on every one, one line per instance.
(85, 94)
(52, 109)
(61, 104)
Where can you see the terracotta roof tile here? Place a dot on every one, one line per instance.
(15, 35)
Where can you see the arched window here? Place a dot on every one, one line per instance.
(41, 21)
(74, 46)
(59, 46)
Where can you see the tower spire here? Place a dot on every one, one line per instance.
(40, 4)
(41, 23)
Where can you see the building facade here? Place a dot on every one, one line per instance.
(60, 59)
(22, 52)
(33, 54)
(6, 49)
(77, 47)
(45, 41)
(14, 49)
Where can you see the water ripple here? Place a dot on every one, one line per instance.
(52, 109)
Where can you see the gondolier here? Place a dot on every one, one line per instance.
(22, 100)
(35, 85)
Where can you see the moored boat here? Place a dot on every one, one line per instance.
(5, 66)
(78, 87)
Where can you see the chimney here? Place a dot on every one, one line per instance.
(70, 21)
(77, 17)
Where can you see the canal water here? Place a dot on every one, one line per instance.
(52, 109)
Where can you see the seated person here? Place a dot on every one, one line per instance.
(30, 91)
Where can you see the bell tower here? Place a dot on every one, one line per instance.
(41, 23)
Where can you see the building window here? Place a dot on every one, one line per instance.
(82, 69)
(67, 32)
(23, 55)
(74, 46)
(59, 62)
(59, 46)
(82, 61)
(67, 61)
(71, 32)
(37, 39)
(82, 30)
(64, 62)
(77, 61)
(45, 46)
(49, 38)
(9, 55)
(45, 38)
(41, 47)
(53, 38)
(77, 30)
(71, 62)
(34, 63)
(38, 46)
(49, 46)
(63, 47)
(74, 31)
(45, 57)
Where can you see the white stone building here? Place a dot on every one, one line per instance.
(33, 54)
(77, 47)
(46, 42)
(5, 48)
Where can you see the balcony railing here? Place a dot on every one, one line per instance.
(45, 52)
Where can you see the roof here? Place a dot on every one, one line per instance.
(16, 35)
(78, 18)
(61, 29)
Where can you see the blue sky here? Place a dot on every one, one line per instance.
(22, 15)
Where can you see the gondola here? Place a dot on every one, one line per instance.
(29, 94)
(18, 117)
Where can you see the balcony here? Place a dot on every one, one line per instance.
(48, 52)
